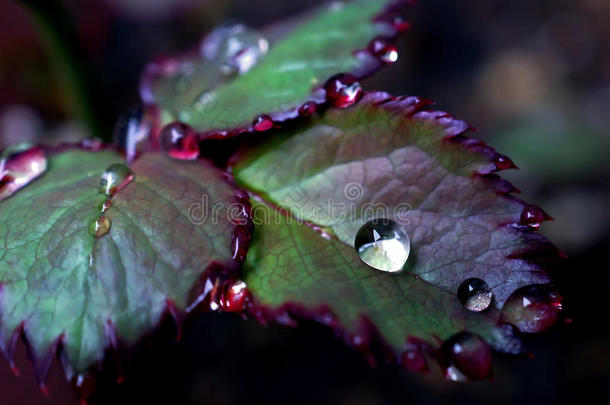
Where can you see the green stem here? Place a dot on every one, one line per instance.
(70, 63)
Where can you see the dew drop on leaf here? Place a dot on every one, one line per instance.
(504, 162)
(20, 165)
(105, 205)
(385, 51)
(533, 216)
(235, 297)
(400, 24)
(308, 108)
(236, 48)
(100, 226)
(467, 357)
(343, 90)
(383, 244)
(262, 123)
(475, 294)
(115, 178)
(532, 308)
(180, 141)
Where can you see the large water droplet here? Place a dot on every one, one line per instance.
(180, 141)
(100, 226)
(236, 48)
(343, 90)
(385, 51)
(475, 294)
(467, 357)
(383, 244)
(532, 308)
(115, 178)
(533, 216)
(20, 165)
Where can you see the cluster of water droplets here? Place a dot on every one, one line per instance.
(115, 178)
(384, 245)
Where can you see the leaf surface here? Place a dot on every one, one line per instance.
(332, 39)
(386, 157)
(59, 283)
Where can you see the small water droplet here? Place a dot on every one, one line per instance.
(236, 48)
(19, 166)
(343, 90)
(475, 294)
(504, 162)
(262, 123)
(84, 386)
(383, 244)
(467, 355)
(400, 24)
(235, 297)
(116, 177)
(307, 109)
(532, 308)
(105, 205)
(385, 51)
(533, 216)
(180, 141)
(99, 226)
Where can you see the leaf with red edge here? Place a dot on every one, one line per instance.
(338, 37)
(69, 285)
(387, 157)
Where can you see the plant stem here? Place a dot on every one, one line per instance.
(70, 63)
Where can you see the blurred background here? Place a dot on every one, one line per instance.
(532, 75)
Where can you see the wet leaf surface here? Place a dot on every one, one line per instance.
(64, 283)
(387, 157)
(332, 39)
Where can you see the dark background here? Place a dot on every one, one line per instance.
(533, 76)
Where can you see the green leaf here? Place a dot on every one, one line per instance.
(193, 90)
(386, 157)
(60, 283)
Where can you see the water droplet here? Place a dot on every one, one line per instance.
(343, 90)
(383, 244)
(262, 123)
(385, 51)
(19, 166)
(235, 297)
(116, 177)
(503, 163)
(180, 141)
(307, 109)
(400, 24)
(236, 48)
(105, 205)
(84, 386)
(467, 355)
(532, 308)
(533, 216)
(99, 226)
(475, 294)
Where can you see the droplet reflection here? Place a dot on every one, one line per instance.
(383, 244)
